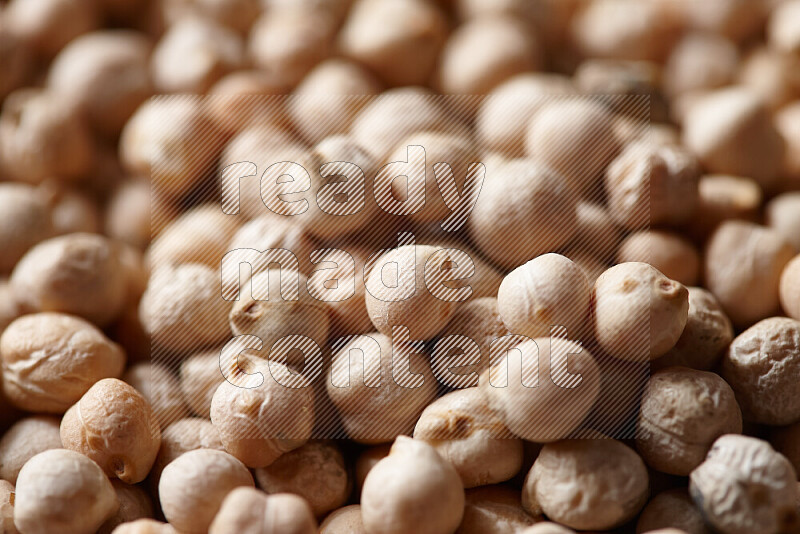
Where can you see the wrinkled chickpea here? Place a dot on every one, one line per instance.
(671, 508)
(160, 388)
(247, 510)
(59, 345)
(193, 487)
(24, 222)
(134, 504)
(24, 440)
(790, 288)
(586, 484)
(673, 255)
(494, 510)
(62, 491)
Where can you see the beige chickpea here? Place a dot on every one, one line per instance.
(377, 408)
(106, 74)
(200, 376)
(783, 214)
(503, 117)
(160, 388)
(731, 132)
(183, 436)
(259, 424)
(522, 194)
(772, 76)
(172, 141)
(40, 23)
(182, 309)
(722, 197)
(586, 484)
(671, 508)
(464, 432)
(413, 477)
(270, 232)
(235, 14)
(60, 345)
(24, 440)
(596, 232)
(547, 527)
(707, 334)
(345, 520)
(589, 263)
(745, 486)
(760, 365)
(735, 19)
(651, 184)
(72, 211)
(548, 291)
(41, 138)
(487, 278)
(249, 511)
(134, 503)
(787, 120)
(62, 491)
(639, 313)
(683, 411)
(743, 265)
(113, 425)
(367, 460)
(200, 235)
(700, 61)
(144, 526)
(622, 82)
(246, 97)
(494, 510)
(575, 138)
(790, 288)
(7, 507)
(193, 487)
(398, 40)
(129, 217)
(783, 30)
(676, 257)
(330, 97)
(560, 399)
(25, 221)
(316, 472)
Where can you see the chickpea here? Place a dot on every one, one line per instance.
(723, 197)
(316, 472)
(772, 76)
(200, 235)
(629, 292)
(743, 265)
(464, 432)
(558, 403)
(730, 127)
(182, 309)
(182, 436)
(700, 61)
(40, 23)
(671, 508)
(398, 40)
(745, 486)
(193, 487)
(622, 79)
(247, 510)
(367, 460)
(25, 221)
(60, 346)
(735, 19)
(412, 477)
(7, 507)
(786, 120)
(676, 257)
(41, 138)
(790, 288)
(268, 232)
(160, 389)
(72, 211)
(783, 214)
(494, 510)
(346, 520)
(487, 278)
(707, 334)
(200, 376)
(144, 526)
(105, 74)
(596, 233)
(783, 30)
(376, 412)
(243, 98)
(62, 491)
(128, 214)
(134, 503)
(16, 56)
(24, 440)
(586, 484)
(546, 527)
(235, 14)
(759, 366)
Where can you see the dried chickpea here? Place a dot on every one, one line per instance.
(41, 138)
(790, 288)
(16, 57)
(548, 291)
(128, 215)
(245, 97)
(743, 265)
(735, 19)
(639, 313)
(7, 508)
(671, 508)
(200, 235)
(249, 511)
(586, 484)
(760, 365)
(200, 376)
(160, 388)
(465, 433)
(783, 214)
(399, 40)
(700, 61)
(316, 472)
(182, 309)
(134, 503)
(235, 14)
(269, 232)
(367, 460)
(783, 30)
(24, 440)
(24, 222)
(144, 526)
(596, 233)
(707, 334)
(412, 489)
(676, 257)
(41, 23)
(105, 74)
(546, 527)
(559, 402)
(377, 412)
(62, 491)
(487, 278)
(345, 520)
(787, 120)
(745, 486)
(193, 487)
(183, 436)
(259, 424)
(494, 510)
(723, 197)
(731, 132)
(72, 211)
(771, 75)
(39, 350)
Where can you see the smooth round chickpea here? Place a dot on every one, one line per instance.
(24, 440)
(608, 476)
(671, 508)
(183, 436)
(250, 510)
(40, 23)
(494, 510)
(412, 477)
(134, 504)
(62, 491)
(159, 387)
(193, 487)
(790, 288)
(345, 520)
(783, 214)
(60, 346)
(625, 297)
(25, 221)
(673, 255)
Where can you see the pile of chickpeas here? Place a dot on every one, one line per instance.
(641, 194)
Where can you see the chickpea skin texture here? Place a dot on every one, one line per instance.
(412, 489)
(62, 491)
(250, 511)
(24, 440)
(113, 425)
